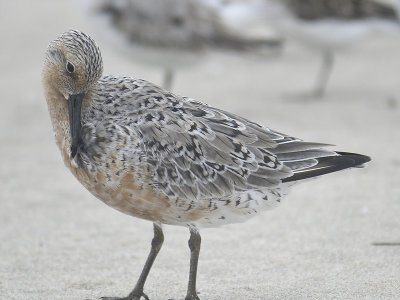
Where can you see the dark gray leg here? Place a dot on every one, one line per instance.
(324, 73)
(322, 79)
(156, 244)
(194, 245)
(168, 78)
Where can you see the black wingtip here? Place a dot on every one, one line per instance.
(330, 164)
(359, 159)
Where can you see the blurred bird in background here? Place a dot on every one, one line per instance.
(169, 33)
(325, 25)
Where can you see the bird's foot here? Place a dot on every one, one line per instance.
(132, 296)
(192, 297)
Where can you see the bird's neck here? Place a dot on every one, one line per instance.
(58, 109)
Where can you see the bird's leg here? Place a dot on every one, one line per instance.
(156, 244)
(194, 245)
(168, 78)
(324, 73)
(322, 79)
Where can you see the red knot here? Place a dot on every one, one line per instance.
(165, 158)
(169, 33)
(327, 25)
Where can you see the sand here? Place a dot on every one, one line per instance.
(59, 242)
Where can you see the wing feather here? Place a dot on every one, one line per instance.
(196, 152)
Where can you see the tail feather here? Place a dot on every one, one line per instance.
(298, 165)
(293, 146)
(329, 164)
(303, 155)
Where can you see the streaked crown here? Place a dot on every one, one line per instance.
(75, 57)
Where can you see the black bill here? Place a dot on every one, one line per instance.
(74, 110)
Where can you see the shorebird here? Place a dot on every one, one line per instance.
(166, 158)
(325, 25)
(168, 33)
(329, 25)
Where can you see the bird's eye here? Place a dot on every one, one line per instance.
(70, 67)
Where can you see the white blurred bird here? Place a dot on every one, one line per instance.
(326, 25)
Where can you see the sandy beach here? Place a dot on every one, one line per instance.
(59, 242)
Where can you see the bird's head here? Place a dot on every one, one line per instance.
(73, 64)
